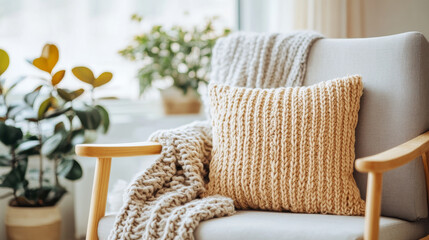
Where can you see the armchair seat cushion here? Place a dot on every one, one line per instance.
(255, 225)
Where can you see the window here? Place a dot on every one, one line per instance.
(91, 32)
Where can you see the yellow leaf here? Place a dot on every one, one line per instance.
(42, 64)
(77, 93)
(4, 61)
(50, 52)
(43, 108)
(64, 94)
(103, 79)
(69, 95)
(58, 76)
(84, 74)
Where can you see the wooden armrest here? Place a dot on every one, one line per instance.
(118, 150)
(394, 157)
(104, 154)
(377, 164)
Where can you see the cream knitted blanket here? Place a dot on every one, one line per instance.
(163, 202)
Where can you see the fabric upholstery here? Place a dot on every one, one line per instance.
(394, 109)
(286, 149)
(257, 225)
(394, 106)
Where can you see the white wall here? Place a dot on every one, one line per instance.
(385, 17)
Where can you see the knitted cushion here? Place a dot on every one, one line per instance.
(287, 149)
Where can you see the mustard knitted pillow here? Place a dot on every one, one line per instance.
(287, 149)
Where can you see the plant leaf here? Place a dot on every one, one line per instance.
(5, 160)
(9, 135)
(70, 169)
(4, 61)
(104, 118)
(42, 64)
(27, 145)
(16, 177)
(78, 137)
(12, 179)
(58, 76)
(44, 106)
(51, 54)
(52, 143)
(55, 195)
(59, 126)
(108, 98)
(68, 95)
(84, 74)
(29, 98)
(14, 109)
(103, 79)
(57, 113)
(76, 93)
(90, 117)
(64, 94)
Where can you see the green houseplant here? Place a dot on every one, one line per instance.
(44, 125)
(178, 55)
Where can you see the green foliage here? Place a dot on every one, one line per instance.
(70, 169)
(9, 135)
(48, 106)
(177, 53)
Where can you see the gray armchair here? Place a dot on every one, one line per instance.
(394, 110)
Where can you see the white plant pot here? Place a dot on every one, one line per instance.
(24, 223)
(175, 102)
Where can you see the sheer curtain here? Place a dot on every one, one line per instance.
(333, 18)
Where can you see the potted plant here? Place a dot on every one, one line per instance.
(43, 127)
(178, 56)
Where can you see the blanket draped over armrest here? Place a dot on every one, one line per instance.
(164, 201)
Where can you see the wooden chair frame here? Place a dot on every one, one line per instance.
(374, 165)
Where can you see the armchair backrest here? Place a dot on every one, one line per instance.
(394, 106)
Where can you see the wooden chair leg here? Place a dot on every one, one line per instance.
(99, 196)
(373, 205)
(425, 159)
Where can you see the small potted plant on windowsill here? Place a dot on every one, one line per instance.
(44, 127)
(178, 56)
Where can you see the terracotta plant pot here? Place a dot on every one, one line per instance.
(175, 102)
(23, 223)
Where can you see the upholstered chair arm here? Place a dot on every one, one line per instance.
(377, 164)
(104, 154)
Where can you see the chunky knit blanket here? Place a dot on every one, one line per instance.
(164, 201)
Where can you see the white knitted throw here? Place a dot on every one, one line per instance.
(163, 202)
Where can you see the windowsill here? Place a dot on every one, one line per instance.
(151, 109)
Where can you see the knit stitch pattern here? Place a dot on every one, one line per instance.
(255, 60)
(287, 149)
(164, 201)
